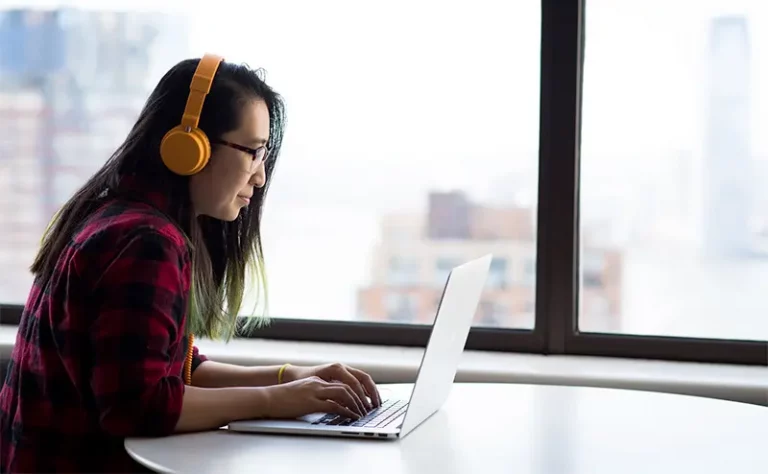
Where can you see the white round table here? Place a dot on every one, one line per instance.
(503, 428)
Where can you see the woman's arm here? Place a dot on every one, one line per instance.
(134, 299)
(138, 312)
(211, 408)
(211, 374)
(137, 301)
(215, 375)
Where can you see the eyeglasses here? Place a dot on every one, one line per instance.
(258, 155)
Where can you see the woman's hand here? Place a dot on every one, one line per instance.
(361, 383)
(313, 395)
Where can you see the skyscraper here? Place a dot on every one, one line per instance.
(727, 154)
(72, 82)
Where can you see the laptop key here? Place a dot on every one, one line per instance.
(324, 420)
(372, 418)
(338, 421)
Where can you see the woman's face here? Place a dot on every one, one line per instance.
(227, 182)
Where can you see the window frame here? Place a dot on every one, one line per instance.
(557, 263)
(558, 277)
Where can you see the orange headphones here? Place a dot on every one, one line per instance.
(185, 149)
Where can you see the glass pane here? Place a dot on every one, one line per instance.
(411, 145)
(71, 84)
(674, 201)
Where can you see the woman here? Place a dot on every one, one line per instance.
(141, 259)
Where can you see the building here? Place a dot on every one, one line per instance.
(71, 86)
(416, 252)
(728, 188)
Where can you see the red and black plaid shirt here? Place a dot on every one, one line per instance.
(100, 348)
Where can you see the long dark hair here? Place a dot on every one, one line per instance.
(223, 252)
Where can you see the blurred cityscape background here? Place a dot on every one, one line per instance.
(677, 249)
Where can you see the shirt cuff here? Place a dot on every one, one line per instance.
(197, 358)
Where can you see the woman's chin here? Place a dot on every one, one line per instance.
(227, 215)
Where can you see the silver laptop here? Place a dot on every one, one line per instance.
(396, 417)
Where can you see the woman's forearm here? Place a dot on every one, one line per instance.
(212, 374)
(211, 408)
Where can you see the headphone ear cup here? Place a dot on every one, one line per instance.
(185, 152)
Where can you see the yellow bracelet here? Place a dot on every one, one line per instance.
(280, 373)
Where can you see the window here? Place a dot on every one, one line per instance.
(403, 271)
(497, 274)
(382, 97)
(58, 113)
(402, 307)
(592, 270)
(529, 272)
(674, 163)
(609, 155)
(491, 313)
(443, 268)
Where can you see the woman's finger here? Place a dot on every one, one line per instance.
(330, 406)
(343, 395)
(348, 377)
(369, 385)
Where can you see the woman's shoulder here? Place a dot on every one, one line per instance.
(125, 236)
(117, 219)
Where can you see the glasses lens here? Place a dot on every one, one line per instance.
(258, 158)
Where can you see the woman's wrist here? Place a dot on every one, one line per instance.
(261, 403)
(291, 373)
(257, 403)
(208, 408)
(282, 374)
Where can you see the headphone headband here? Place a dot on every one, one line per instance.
(199, 88)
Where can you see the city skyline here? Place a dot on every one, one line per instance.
(67, 104)
(416, 251)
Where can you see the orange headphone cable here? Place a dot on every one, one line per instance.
(188, 360)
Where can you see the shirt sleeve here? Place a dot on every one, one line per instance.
(197, 358)
(140, 302)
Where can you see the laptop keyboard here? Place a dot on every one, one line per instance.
(376, 418)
